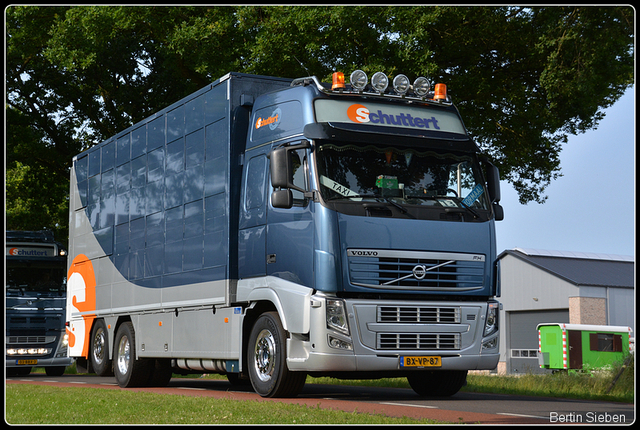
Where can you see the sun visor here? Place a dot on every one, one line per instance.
(381, 135)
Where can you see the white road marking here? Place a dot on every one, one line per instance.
(521, 415)
(407, 404)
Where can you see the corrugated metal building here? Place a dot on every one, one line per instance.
(561, 287)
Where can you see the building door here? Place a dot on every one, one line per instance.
(522, 338)
(574, 349)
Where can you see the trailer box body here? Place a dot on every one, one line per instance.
(155, 214)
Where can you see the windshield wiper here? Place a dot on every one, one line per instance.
(388, 200)
(398, 206)
(475, 214)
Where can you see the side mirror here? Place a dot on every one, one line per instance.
(282, 199)
(498, 212)
(281, 168)
(493, 183)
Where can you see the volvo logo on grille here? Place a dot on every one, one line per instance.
(362, 253)
(419, 271)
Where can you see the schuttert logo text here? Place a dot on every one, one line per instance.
(361, 114)
(27, 252)
(272, 121)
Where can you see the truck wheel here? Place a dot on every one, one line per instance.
(437, 383)
(267, 359)
(129, 371)
(54, 370)
(161, 373)
(18, 371)
(99, 354)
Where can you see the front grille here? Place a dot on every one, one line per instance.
(418, 341)
(418, 314)
(29, 339)
(416, 270)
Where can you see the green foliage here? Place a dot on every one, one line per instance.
(523, 78)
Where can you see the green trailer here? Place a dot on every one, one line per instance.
(577, 346)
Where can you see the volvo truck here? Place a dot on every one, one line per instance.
(269, 229)
(35, 303)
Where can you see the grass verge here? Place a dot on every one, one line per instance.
(592, 385)
(29, 404)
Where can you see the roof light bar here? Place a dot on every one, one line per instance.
(421, 89)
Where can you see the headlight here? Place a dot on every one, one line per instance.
(379, 82)
(337, 316)
(358, 80)
(401, 84)
(421, 86)
(491, 322)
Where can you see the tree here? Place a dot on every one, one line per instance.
(523, 78)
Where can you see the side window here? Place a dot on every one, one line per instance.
(255, 183)
(605, 342)
(299, 159)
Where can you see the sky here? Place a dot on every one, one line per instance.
(592, 207)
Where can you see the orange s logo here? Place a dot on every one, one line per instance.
(81, 298)
(358, 113)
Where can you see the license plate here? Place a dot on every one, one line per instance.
(27, 362)
(432, 361)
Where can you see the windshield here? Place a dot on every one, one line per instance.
(35, 277)
(411, 180)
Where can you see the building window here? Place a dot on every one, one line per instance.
(524, 353)
(605, 342)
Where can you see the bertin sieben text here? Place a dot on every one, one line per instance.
(591, 417)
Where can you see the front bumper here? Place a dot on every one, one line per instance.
(38, 362)
(377, 343)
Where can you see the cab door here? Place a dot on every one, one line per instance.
(290, 232)
(252, 231)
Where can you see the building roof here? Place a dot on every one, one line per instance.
(579, 268)
(589, 327)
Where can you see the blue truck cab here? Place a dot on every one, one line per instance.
(269, 229)
(35, 300)
(379, 207)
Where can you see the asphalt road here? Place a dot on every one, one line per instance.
(460, 408)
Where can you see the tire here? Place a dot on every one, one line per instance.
(267, 359)
(238, 380)
(128, 370)
(437, 383)
(54, 370)
(99, 350)
(161, 373)
(18, 371)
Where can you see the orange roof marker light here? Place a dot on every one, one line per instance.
(440, 92)
(338, 81)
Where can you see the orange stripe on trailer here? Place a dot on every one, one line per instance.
(81, 289)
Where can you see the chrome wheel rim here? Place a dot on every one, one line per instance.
(124, 355)
(265, 355)
(99, 343)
